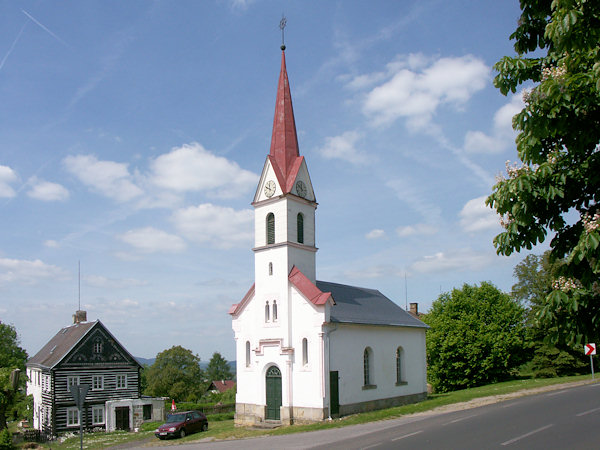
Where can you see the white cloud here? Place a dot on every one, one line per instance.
(108, 178)
(417, 87)
(410, 192)
(344, 147)
(46, 190)
(7, 175)
(375, 234)
(502, 136)
(193, 168)
(27, 272)
(112, 283)
(457, 261)
(151, 240)
(476, 216)
(418, 229)
(215, 225)
(51, 243)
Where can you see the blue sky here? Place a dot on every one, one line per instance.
(132, 135)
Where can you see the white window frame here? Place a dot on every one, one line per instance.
(72, 380)
(72, 413)
(101, 384)
(122, 381)
(95, 415)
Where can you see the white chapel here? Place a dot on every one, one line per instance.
(308, 350)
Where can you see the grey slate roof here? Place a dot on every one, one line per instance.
(366, 306)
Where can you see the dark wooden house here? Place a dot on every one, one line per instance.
(83, 353)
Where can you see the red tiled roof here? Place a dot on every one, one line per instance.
(237, 307)
(308, 288)
(221, 385)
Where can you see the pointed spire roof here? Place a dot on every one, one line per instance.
(284, 155)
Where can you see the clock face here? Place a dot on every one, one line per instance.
(301, 189)
(270, 188)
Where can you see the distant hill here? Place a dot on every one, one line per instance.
(203, 364)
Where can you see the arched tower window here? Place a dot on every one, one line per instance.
(270, 228)
(300, 228)
(247, 353)
(270, 268)
(399, 365)
(305, 351)
(274, 310)
(367, 366)
(267, 313)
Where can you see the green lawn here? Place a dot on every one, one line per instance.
(226, 430)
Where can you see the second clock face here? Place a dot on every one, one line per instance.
(270, 188)
(301, 189)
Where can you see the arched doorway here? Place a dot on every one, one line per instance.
(273, 389)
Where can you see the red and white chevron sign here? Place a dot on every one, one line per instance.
(589, 349)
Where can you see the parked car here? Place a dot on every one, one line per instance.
(180, 424)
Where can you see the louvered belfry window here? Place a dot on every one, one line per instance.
(300, 226)
(270, 228)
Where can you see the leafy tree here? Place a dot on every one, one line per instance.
(176, 373)
(556, 187)
(535, 277)
(12, 357)
(218, 368)
(476, 337)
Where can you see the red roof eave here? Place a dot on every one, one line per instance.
(236, 308)
(308, 288)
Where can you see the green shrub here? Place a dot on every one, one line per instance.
(6, 440)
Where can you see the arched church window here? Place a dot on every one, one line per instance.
(399, 365)
(367, 366)
(274, 310)
(270, 228)
(300, 228)
(270, 268)
(247, 353)
(305, 351)
(267, 312)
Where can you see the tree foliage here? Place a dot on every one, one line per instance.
(535, 276)
(476, 337)
(218, 368)
(556, 186)
(12, 357)
(176, 373)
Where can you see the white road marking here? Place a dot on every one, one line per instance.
(459, 419)
(518, 438)
(587, 412)
(371, 446)
(556, 393)
(407, 435)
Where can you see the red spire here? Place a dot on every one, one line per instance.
(284, 141)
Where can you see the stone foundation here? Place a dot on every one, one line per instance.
(247, 414)
(383, 403)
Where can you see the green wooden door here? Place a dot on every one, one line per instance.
(273, 385)
(334, 392)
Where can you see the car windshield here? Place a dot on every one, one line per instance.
(173, 418)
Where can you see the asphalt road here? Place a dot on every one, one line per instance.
(567, 418)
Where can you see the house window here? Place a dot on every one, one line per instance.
(247, 353)
(270, 268)
(270, 228)
(98, 346)
(72, 417)
(274, 310)
(305, 351)
(300, 228)
(368, 368)
(98, 414)
(267, 312)
(399, 366)
(72, 381)
(97, 382)
(122, 381)
(147, 412)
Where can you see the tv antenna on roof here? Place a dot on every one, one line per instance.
(282, 24)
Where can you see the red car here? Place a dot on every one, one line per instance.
(180, 424)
